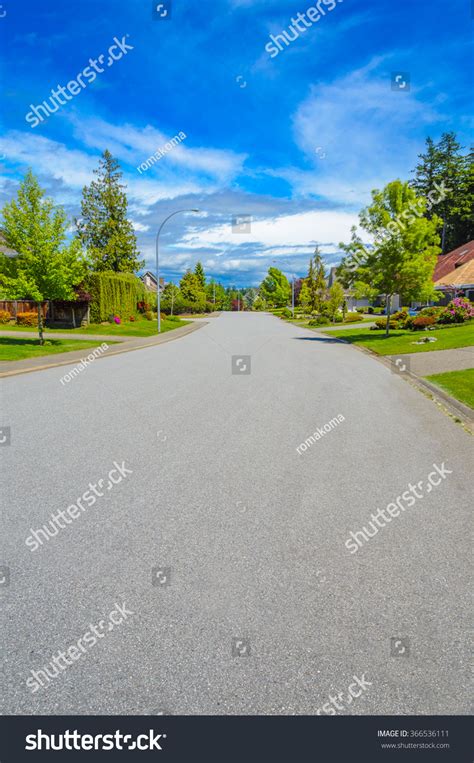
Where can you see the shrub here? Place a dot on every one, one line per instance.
(149, 315)
(359, 309)
(351, 317)
(321, 320)
(377, 310)
(370, 310)
(458, 311)
(5, 316)
(337, 318)
(131, 318)
(117, 320)
(117, 294)
(381, 323)
(27, 319)
(286, 313)
(431, 311)
(401, 319)
(422, 322)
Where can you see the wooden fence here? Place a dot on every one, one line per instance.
(15, 306)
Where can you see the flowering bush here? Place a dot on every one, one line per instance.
(27, 319)
(5, 316)
(131, 318)
(117, 320)
(458, 311)
(422, 322)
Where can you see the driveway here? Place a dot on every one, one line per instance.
(226, 544)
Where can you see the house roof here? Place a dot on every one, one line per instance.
(5, 249)
(462, 276)
(453, 260)
(149, 274)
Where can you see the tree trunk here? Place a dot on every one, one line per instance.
(40, 323)
(388, 302)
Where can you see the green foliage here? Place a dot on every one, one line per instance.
(192, 291)
(313, 288)
(275, 288)
(444, 165)
(336, 298)
(352, 317)
(403, 257)
(47, 266)
(458, 311)
(200, 275)
(103, 227)
(320, 320)
(114, 294)
(286, 313)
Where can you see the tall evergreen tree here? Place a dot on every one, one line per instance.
(104, 228)
(443, 165)
(200, 275)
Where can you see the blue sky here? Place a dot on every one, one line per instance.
(295, 140)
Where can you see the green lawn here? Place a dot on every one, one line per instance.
(126, 328)
(459, 384)
(400, 342)
(19, 349)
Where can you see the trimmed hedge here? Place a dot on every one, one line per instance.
(114, 294)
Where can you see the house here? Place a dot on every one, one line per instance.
(4, 248)
(454, 273)
(149, 279)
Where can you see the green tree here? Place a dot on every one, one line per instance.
(47, 267)
(104, 228)
(403, 259)
(190, 287)
(443, 166)
(169, 297)
(275, 288)
(336, 299)
(313, 288)
(200, 275)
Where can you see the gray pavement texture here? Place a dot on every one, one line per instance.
(253, 532)
(116, 345)
(438, 361)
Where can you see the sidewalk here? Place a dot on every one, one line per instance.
(121, 344)
(438, 361)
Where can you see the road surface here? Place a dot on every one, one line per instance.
(255, 603)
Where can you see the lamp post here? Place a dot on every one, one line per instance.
(158, 301)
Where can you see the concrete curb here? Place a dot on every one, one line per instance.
(183, 331)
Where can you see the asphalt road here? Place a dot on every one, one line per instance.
(254, 532)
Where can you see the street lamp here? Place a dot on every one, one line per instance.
(158, 301)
